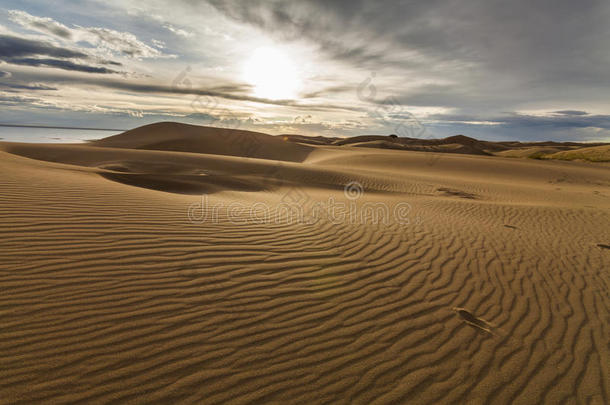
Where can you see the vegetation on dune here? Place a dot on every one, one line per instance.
(600, 153)
(594, 154)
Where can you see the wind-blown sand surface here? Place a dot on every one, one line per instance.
(492, 288)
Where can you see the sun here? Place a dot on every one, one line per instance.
(272, 74)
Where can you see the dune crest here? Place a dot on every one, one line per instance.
(177, 137)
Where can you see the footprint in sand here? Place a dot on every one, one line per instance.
(475, 322)
(450, 192)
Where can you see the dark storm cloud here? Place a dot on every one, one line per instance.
(329, 90)
(570, 112)
(491, 54)
(13, 47)
(558, 122)
(228, 92)
(335, 26)
(518, 32)
(34, 86)
(7, 100)
(110, 62)
(59, 64)
(27, 52)
(516, 121)
(199, 95)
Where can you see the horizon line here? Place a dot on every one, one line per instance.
(59, 127)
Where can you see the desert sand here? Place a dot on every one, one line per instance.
(135, 269)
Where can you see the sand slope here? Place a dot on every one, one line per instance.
(172, 136)
(496, 291)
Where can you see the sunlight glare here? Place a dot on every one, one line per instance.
(272, 74)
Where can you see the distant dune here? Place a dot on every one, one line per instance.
(592, 154)
(466, 145)
(183, 264)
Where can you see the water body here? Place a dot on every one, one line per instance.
(52, 135)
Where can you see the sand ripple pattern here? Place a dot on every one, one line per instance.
(109, 295)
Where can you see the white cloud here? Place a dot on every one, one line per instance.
(116, 42)
(178, 31)
(158, 44)
(41, 24)
(141, 12)
(108, 41)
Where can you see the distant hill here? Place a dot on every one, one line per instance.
(594, 152)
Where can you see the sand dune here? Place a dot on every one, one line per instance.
(172, 136)
(594, 152)
(599, 153)
(121, 284)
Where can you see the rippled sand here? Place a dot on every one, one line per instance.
(120, 283)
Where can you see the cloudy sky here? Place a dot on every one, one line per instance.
(524, 70)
